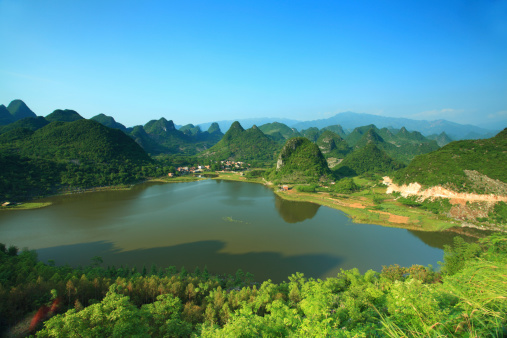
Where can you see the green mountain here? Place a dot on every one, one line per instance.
(165, 133)
(368, 159)
(30, 123)
(207, 139)
(5, 116)
(401, 145)
(109, 121)
(358, 133)
(311, 133)
(243, 145)
(336, 129)
(465, 166)
(442, 139)
(162, 137)
(66, 115)
(19, 110)
(300, 161)
(146, 142)
(190, 129)
(279, 131)
(214, 128)
(80, 154)
(81, 140)
(332, 145)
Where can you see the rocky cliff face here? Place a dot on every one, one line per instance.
(415, 189)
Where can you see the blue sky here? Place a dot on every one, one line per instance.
(200, 61)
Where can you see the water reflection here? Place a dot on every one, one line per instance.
(446, 237)
(263, 265)
(224, 225)
(294, 212)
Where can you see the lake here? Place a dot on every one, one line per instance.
(223, 225)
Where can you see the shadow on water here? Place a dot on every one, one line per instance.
(263, 265)
(294, 212)
(446, 237)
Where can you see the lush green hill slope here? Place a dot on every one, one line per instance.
(332, 145)
(243, 145)
(368, 159)
(336, 129)
(66, 115)
(460, 165)
(279, 131)
(19, 110)
(109, 121)
(442, 139)
(83, 153)
(401, 145)
(312, 133)
(300, 161)
(166, 139)
(31, 123)
(5, 116)
(465, 299)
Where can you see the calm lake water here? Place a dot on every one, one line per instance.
(223, 225)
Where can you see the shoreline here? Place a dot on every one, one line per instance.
(359, 207)
(363, 210)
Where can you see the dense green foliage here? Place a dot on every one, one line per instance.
(109, 121)
(300, 161)
(447, 166)
(346, 186)
(19, 110)
(442, 138)
(400, 145)
(337, 129)
(243, 145)
(161, 137)
(306, 188)
(368, 159)
(5, 116)
(332, 145)
(311, 133)
(69, 155)
(30, 123)
(66, 115)
(466, 299)
(279, 131)
(435, 205)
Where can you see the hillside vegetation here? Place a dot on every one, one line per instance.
(465, 299)
(368, 159)
(243, 145)
(66, 115)
(453, 166)
(64, 155)
(300, 161)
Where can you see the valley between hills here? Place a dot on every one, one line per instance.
(343, 169)
(384, 175)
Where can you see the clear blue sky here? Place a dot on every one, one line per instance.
(200, 61)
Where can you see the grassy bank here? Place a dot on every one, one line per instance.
(27, 206)
(177, 179)
(370, 205)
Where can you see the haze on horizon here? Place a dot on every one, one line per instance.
(198, 61)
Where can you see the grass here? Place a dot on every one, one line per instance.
(27, 206)
(177, 179)
(361, 208)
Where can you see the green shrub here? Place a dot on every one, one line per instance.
(346, 186)
(306, 188)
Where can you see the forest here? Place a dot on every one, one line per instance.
(467, 297)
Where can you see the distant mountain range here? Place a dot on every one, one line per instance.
(350, 120)
(18, 110)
